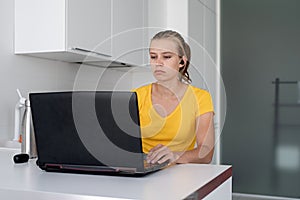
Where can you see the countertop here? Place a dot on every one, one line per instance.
(176, 182)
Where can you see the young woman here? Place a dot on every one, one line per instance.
(176, 118)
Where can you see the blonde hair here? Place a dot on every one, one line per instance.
(183, 50)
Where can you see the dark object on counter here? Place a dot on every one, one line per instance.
(21, 158)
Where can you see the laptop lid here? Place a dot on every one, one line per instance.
(97, 130)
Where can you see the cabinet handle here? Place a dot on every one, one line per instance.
(89, 51)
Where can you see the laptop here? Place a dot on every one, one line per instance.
(94, 132)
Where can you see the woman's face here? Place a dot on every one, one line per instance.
(164, 59)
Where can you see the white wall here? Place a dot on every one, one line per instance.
(203, 38)
(34, 74)
(197, 21)
(22, 72)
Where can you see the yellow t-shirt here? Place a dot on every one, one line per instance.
(177, 130)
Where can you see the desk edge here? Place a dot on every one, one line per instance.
(214, 183)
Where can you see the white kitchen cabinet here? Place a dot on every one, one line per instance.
(96, 32)
(67, 30)
(128, 24)
(89, 25)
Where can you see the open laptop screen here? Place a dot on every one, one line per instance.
(87, 128)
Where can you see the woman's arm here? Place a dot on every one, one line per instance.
(205, 135)
(203, 153)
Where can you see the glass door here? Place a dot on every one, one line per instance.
(260, 61)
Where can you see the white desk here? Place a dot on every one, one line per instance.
(27, 181)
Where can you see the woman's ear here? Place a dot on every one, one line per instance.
(183, 61)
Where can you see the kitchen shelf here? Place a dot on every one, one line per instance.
(278, 126)
(277, 104)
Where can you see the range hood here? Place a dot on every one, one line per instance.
(80, 55)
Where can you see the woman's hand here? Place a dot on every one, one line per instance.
(160, 154)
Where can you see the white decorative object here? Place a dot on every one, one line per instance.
(20, 104)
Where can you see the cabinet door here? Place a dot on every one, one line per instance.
(128, 31)
(89, 25)
(39, 26)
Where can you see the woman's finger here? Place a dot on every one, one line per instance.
(155, 148)
(161, 155)
(155, 155)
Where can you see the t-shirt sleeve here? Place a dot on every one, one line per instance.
(205, 103)
(141, 93)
